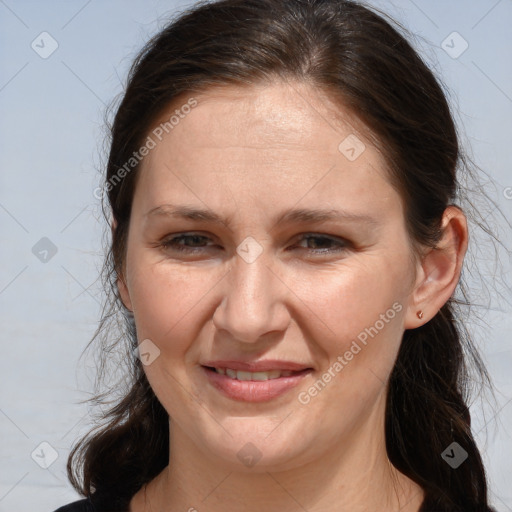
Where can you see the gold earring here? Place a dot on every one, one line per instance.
(420, 314)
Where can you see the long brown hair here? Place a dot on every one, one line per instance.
(362, 59)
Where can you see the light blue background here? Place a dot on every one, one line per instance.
(52, 139)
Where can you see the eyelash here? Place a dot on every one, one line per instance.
(173, 245)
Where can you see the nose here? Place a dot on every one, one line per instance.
(253, 301)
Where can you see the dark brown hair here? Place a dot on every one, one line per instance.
(361, 59)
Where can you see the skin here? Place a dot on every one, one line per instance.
(248, 154)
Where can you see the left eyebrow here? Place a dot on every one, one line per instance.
(323, 215)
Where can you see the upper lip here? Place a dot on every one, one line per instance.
(258, 366)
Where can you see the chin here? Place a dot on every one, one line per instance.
(248, 451)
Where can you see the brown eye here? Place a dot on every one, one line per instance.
(196, 243)
(323, 244)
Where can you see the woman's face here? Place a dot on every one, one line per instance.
(332, 295)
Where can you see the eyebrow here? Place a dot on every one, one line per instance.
(287, 217)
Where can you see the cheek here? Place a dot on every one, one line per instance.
(353, 297)
(361, 309)
(168, 301)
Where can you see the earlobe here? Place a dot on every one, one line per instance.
(439, 270)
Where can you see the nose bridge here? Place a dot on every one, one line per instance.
(252, 280)
(251, 305)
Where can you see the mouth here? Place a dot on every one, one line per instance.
(260, 386)
(256, 376)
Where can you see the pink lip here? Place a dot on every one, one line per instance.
(258, 366)
(252, 390)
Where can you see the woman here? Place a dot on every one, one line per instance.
(286, 247)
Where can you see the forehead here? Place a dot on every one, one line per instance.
(265, 116)
(287, 140)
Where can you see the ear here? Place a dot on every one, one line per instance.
(439, 269)
(121, 282)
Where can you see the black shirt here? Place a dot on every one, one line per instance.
(96, 505)
(84, 505)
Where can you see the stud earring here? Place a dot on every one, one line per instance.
(420, 314)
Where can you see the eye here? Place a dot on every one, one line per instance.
(322, 244)
(175, 245)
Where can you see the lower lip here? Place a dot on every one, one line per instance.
(253, 390)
